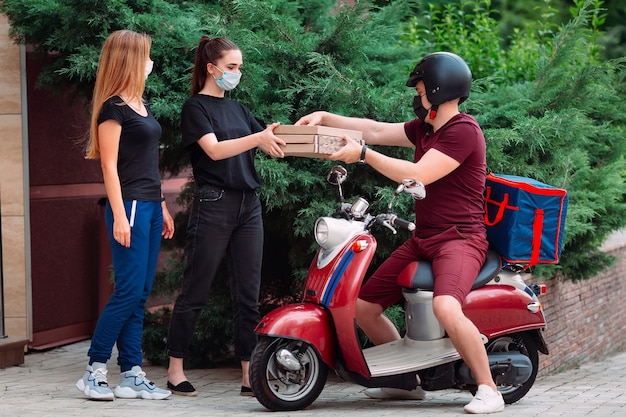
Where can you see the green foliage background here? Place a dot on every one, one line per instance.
(548, 91)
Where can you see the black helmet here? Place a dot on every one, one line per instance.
(446, 77)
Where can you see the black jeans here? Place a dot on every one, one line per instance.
(221, 223)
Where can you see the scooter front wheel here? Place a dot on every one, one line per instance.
(286, 374)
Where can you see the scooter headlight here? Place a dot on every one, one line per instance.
(321, 232)
(330, 232)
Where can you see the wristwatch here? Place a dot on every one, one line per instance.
(362, 157)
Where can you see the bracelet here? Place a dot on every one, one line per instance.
(362, 158)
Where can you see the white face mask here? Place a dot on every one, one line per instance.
(228, 80)
(149, 66)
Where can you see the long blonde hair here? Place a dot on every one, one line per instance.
(121, 69)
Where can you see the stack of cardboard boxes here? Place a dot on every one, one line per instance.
(314, 141)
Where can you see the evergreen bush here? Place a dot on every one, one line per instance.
(550, 106)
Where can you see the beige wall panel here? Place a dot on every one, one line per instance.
(14, 266)
(15, 327)
(11, 166)
(10, 102)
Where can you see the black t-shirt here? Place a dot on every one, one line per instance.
(227, 119)
(138, 155)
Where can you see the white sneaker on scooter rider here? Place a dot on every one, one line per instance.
(395, 394)
(485, 401)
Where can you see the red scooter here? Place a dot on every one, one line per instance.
(298, 343)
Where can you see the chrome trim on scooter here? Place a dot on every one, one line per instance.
(534, 307)
(287, 360)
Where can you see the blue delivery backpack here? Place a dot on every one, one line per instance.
(525, 219)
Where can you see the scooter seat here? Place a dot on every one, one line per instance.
(419, 275)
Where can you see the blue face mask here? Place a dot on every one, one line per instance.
(228, 80)
(148, 69)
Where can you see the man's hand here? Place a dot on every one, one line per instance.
(350, 153)
(313, 119)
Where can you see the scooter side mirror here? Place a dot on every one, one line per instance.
(414, 188)
(337, 175)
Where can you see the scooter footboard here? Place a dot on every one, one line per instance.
(308, 322)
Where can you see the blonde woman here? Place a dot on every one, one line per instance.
(125, 137)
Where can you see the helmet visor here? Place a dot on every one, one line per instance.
(416, 75)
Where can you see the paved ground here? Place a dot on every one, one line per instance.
(44, 386)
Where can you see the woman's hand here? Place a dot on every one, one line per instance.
(269, 143)
(168, 223)
(121, 231)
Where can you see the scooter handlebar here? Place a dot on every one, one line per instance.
(401, 223)
(391, 220)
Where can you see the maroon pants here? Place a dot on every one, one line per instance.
(456, 259)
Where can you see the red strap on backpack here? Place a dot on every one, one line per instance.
(537, 233)
(502, 206)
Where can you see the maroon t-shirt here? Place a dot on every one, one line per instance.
(457, 198)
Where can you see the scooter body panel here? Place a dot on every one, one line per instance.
(303, 321)
(501, 309)
(339, 294)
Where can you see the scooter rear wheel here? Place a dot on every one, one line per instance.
(281, 389)
(524, 344)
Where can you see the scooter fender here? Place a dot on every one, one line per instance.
(304, 321)
(502, 309)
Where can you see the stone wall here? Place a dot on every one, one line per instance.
(586, 319)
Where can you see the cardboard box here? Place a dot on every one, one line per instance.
(314, 141)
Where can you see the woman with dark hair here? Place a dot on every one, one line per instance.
(221, 137)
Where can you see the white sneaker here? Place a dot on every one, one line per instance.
(94, 383)
(134, 384)
(486, 401)
(395, 394)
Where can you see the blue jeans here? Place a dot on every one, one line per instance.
(221, 223)
(121, 320)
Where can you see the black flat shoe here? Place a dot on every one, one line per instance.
(184, 388)
(246, 391)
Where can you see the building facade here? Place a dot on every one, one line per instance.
(16, 302)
